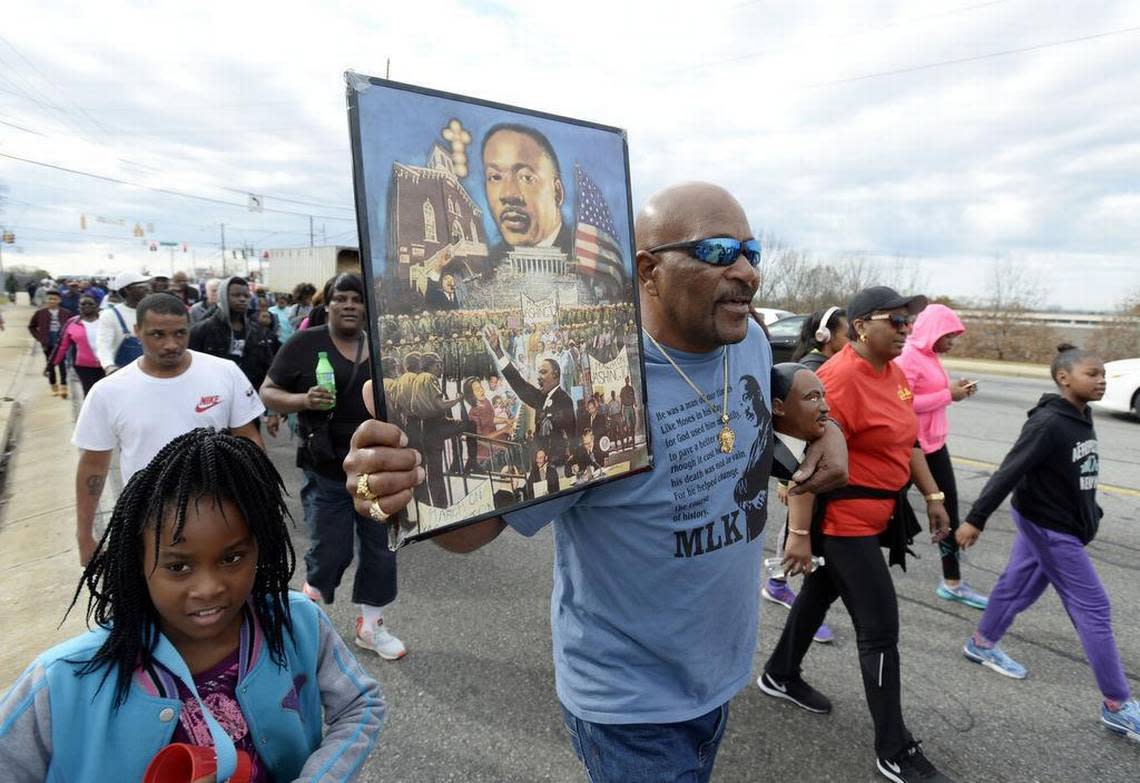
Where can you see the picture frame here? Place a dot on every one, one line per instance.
(496, 245)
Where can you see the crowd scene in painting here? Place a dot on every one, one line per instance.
(201, 648)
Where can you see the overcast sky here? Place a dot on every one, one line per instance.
(949, 132)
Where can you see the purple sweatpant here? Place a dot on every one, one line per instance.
(1040, 558)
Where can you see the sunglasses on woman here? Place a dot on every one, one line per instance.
(718, 251)
(897, 321)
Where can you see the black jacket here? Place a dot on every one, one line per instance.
(213, 336)
(1052, 470)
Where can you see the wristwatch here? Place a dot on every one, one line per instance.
(936, 497)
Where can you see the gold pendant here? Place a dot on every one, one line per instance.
(727, 439)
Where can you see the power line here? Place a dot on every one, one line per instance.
(167, 191)
(976, 58)
(292, 200)
(20, 127)
(48, 81)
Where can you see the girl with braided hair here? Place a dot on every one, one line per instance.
(197, 639)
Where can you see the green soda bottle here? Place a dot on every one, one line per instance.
(326, 378)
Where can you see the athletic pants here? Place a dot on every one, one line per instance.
(1042, 557)
(856, 572)
(943, 472)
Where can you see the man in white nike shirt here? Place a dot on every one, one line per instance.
(166, 392)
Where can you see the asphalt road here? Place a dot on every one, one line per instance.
(474, 698)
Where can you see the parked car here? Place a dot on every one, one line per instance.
(771, 315)
(784, 334)
(1123, 389)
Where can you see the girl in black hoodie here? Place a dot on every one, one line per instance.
(1052, 471)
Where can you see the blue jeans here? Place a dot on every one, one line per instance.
(309, 499)
(648, 752)
(335, 525)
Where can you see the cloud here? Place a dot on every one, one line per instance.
(1030, 156)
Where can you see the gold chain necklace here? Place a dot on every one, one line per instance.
(726, 437)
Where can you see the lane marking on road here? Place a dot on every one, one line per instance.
(1111, 489)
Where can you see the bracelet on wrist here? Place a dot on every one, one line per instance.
(798, 532)
(936, 497)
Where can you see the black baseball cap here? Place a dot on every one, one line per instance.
(881, 297)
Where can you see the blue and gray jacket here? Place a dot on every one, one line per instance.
(56, 726)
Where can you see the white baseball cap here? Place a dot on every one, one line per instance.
(127, 279)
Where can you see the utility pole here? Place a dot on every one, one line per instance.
(310, 230)
(223, 249)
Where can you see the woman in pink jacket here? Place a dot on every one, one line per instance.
(80, 331)
(934, 333)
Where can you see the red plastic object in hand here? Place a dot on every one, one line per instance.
(183, 763)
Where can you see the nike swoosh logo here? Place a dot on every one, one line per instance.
(893, 767)
(778, 686)
(200, 408)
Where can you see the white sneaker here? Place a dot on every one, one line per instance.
(380, 641)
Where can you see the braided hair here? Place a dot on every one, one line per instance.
(203, 463)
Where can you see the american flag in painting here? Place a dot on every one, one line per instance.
(596, 249)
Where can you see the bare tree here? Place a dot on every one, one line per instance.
(1001, 330)
(1119, 338)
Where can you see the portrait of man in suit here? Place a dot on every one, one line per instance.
(554, 420)
(524, 190)
(443, 296)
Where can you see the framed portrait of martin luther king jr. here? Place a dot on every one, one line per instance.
(497, 247)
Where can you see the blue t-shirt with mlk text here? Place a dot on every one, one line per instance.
(657, 576)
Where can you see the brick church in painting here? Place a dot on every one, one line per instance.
(434, 227)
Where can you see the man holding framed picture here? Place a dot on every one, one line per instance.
(647, 652)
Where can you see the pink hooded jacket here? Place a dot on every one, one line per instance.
(928, 381)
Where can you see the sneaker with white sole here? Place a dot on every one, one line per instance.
(1124, 721)
(911, 765)
(994, 658)
(963, 594)
(796, 691)
(823, 635)
(379, 640)
(778, 592)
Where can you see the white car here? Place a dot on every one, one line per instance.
(771, 315)
(1123, 390)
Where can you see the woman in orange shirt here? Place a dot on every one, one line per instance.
(870, 399)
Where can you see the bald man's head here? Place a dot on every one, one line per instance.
(688, 303)
(691, 210)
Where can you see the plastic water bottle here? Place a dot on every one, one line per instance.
(775, 567)
(326, 377)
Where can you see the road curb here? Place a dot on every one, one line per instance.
(9, 414)
(993, 367)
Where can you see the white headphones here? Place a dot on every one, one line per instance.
(823, 334)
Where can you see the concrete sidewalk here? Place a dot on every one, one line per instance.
(38, 557)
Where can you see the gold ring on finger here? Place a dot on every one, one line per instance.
(376, 512)
(363, 491)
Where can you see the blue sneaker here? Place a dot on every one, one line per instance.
(1125, 721)
(963, 594)
(823, 634)
(994, 658)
